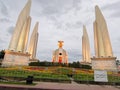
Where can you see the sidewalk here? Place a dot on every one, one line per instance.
(74, 86)
(57, 86)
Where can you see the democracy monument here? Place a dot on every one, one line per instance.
(20, 53)
(103, 59)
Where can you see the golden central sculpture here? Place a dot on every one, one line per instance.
(60, 55)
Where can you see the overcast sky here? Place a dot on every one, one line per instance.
(61, 20)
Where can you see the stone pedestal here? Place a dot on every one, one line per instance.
(15, 59)
(104, 63)
(33, 60)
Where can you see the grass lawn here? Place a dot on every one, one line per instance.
(55, 74)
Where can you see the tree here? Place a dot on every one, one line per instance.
(117, 62)
(2, 53)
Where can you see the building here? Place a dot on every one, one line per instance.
(60, 55)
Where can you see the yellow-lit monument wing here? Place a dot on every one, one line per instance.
(16, 54)
(33, 42)
(23, 40)
(85, 46)
(104, 44)
(19, 26)
(103, 59)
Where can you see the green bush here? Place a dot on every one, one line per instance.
(83, 77)
(22, 74)
(73, 64)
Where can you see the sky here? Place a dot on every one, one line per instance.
(61, 20)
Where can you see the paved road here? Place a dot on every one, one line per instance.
(58, 86)
(75, 86)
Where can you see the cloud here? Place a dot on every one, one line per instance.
(10, 30)
(2, 44)
(3, 9)
(113, 9)
(5, 20)
(116, 14)
(1, 40)
(112, 6)
(75, 25)
(74, 55)
(53, 7)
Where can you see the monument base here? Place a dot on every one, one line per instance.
(15, 59)
(104, 63)
(33, 60)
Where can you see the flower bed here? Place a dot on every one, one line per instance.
(38, 76)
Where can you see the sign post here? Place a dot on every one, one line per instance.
(100, 76)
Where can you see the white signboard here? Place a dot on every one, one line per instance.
(100, 76)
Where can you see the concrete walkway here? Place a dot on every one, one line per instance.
(74, 86)
(57, 86)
